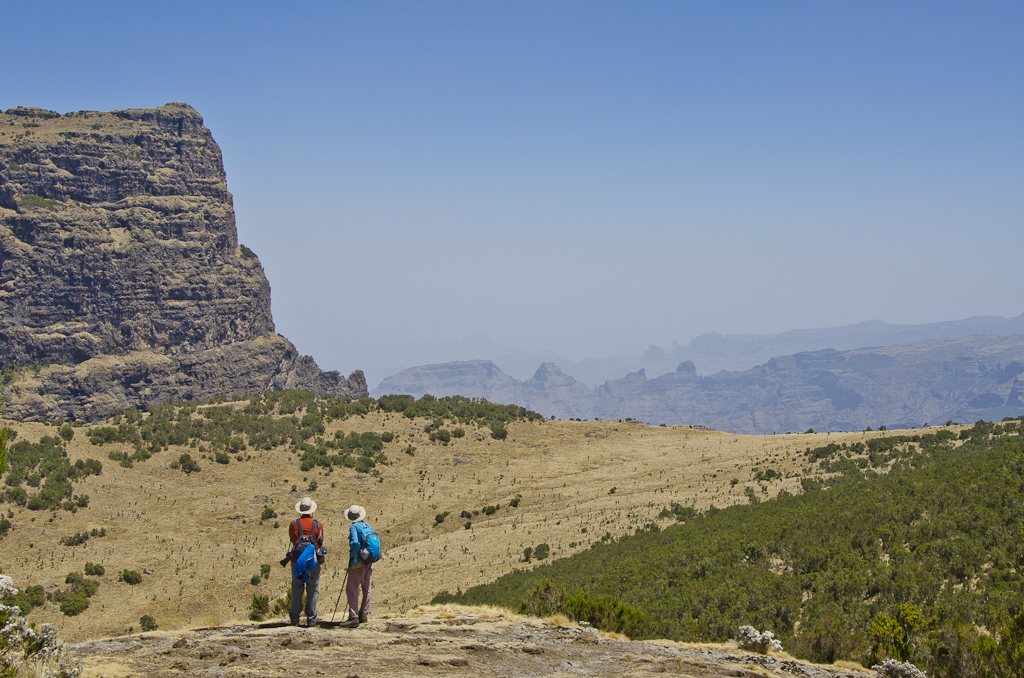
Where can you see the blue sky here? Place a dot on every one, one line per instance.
(586, 177)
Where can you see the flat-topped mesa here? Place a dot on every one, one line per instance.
(117, 236)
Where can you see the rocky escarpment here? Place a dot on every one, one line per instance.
(121, 272)
(961, 379)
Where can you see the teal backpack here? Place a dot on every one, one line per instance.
(369, 551)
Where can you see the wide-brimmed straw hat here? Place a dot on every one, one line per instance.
(355, 513)
(305, 506)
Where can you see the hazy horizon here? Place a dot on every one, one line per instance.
(596, 369)
(581, 178)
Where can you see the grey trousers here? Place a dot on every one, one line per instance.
(312, 589)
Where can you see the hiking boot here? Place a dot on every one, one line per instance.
(362, 617)
(350, 623)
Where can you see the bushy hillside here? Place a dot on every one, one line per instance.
(921, 562)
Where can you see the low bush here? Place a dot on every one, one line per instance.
(892, 668)
(76, 539)
(260, 608)
(187, 463)
(130, 577)
(74, 604)
(752, 640)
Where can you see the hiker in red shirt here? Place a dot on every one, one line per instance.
(304, 531)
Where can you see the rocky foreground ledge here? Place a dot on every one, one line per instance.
(429, 641)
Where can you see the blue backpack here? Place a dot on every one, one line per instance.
(369, 551)
(305, 550)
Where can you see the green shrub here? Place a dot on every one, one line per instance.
(245, 252)
(76, 539)
(187, 463)
(221, 458)
(459, 433)
(36, 595)
(606, 613)
(31, 200)
(268, 513)
(499, 432)
(74, 604)
(439, 518)
(16, 495)
(265, 571)
(545, 600)
(148, 623)
(255, 580)
(130, 577)
(260, 607)
(94, 570)
(21, 601)
(541, 551)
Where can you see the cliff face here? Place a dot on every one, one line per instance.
(121, 271)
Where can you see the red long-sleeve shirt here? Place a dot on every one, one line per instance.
(308, 527)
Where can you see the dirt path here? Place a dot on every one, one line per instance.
(430, 641)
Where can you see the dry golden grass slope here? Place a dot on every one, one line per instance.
(197, 539)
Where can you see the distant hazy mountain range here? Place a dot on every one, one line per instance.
(713, 352)
(907, 384)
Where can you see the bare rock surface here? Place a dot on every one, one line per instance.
(120, 268)
(468, 642)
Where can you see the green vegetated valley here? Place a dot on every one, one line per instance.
(856, 546)
(912, 548)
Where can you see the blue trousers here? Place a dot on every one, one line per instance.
(312, 589)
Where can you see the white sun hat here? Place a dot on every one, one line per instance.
(305, 506)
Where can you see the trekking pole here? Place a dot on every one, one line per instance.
(338, 601)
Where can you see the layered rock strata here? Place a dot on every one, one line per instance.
(121, 272)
